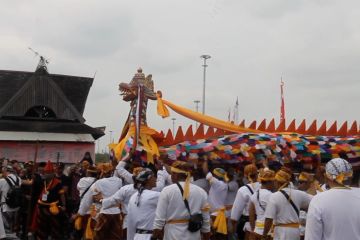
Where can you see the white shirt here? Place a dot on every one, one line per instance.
(86, 202)
(217, 193)
(260, 199)
(4, 189)
(141, 216)
(84, 183)
(242, 200)
(281, 211)
(122, 196)
(233, 187)
(121, 172)
(171, 207)
(203, 183)
(163, 177)
(334, 215)
(107, 187)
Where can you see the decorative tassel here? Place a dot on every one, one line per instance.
(54, 209)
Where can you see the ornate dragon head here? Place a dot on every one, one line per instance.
(129, 91)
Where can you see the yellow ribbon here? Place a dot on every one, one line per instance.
(220, 223)
(161, 108)
(78, 223)
(187, 181)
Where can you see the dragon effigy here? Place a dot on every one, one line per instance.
(136, 135)
(226, 142)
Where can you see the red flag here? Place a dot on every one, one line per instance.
(282, 108)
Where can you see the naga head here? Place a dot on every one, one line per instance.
(129, 91)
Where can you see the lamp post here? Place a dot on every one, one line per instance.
(205, 57)
(173, 123)
(197, 110)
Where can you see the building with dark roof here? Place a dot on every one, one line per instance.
(44, 111)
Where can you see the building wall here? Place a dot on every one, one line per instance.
(67, 152)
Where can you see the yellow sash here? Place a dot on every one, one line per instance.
(220, 221)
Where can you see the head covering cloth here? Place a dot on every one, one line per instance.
(221, 173)
(183, 168)
(140, 179)
(266, 175)
(306, 177)
(249, 170)
(338, 170)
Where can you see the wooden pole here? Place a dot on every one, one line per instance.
(29, 210)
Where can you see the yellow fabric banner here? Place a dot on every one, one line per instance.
(204, 119)
(145, 140)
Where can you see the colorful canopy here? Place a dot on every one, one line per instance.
(280, 147)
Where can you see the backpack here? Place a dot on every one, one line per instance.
(14, 196)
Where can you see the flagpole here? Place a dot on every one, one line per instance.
(282, 107)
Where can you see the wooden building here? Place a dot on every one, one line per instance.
(44, 111)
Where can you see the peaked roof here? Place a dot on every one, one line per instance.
(74, 89)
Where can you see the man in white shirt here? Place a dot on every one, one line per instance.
(172, 216)
(258, 202)
(163, 177)
(142, 207)
(121, 197)
(335, 214)
(8, 213)
(83, 214)
(240, 209)
(108, 225)
(284, 207)
(218, 181)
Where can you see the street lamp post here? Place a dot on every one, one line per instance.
(197, 110)
(205, 57)
(173, 123)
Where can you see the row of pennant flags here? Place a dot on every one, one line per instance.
(277, 147)
(227, 147)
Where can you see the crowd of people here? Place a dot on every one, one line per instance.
(178, 200)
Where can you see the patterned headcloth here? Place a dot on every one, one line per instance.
(266, 174)
(221, 173)
(144, 175)
(338, 169)
(283, 175)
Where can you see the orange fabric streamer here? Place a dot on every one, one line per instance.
(207, 120)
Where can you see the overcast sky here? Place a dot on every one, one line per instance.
(312, 44)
